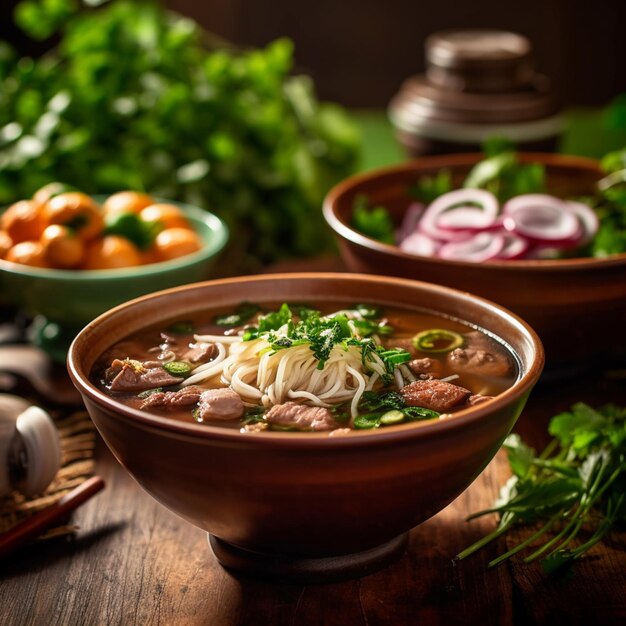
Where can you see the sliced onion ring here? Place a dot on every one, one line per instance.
(466, 218)
(419, 244)
(454, 200)
(481, 247)
(542, 219)
(588, 220)
(514, 247)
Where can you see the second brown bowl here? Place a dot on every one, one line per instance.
(576, 305)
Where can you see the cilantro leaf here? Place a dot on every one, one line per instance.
(375, 222)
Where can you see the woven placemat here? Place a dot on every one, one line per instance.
(78, 437)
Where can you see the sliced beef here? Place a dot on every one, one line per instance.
(425, 366)
(480, 356)
(477, 399)
(187, 396)
(301, 417)
(129, 375)
(404, 343)
(220, 404)
(436, 395)
(200, 353)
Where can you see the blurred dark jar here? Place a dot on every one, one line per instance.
(478, 84)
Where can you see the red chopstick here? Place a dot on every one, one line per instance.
(33, 526)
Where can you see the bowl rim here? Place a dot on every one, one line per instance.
(219, 235)
(353, 236)
(377, 437)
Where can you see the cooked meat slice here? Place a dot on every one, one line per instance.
(481, 356)
(301, 417)
(425, 366)
(200, 353)
(220, 404)
(436, 395)
(187, 396)
(477, 399)
(129, 375)
(404, 343)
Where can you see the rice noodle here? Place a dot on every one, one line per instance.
(208, 370)
(259, 373)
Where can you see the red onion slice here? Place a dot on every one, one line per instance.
(410, 220)
(465, 218)
(419, 244)
(588, 220)
(542, 219)
(481, 247)
(514, 247)
(458, 199)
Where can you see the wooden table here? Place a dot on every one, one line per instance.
(134, 562)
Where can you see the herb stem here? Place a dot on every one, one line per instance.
(485, 540)
(545, 528)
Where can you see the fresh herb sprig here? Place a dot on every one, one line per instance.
(285, 328)
(574, 491)
(386, 409)
(136, 96)
(610, 205)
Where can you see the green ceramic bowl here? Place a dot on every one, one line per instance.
(72, 298)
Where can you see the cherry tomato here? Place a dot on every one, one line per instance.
(111, 252)
(62, 248)
(23, 221)
(6, 243)
(172, 243)
(166, 215)
(27, 253)
(127, 202)
(49, 191)
(77, 211)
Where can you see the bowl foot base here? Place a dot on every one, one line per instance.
(293, 569)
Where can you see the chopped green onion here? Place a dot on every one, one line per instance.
(178, 368)
(364, 422)
(392, 417)
(368, 311)
(437, 340)
(240, 316)
(182, 327)
(149, 392)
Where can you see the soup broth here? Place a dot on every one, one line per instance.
(295, 367)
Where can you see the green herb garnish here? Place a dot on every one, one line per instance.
(386, 409)
(182, 327)
(578, 483)
(242, 314)
(437, 341)
(178, 368)
(137, 96)
(133, 228)
(502, 173)
(429, 188)
(375, 222)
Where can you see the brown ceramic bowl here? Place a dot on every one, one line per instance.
(304, 505)
(577, 306)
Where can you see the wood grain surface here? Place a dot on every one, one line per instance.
(134, 562)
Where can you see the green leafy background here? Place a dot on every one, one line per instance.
(136, 97)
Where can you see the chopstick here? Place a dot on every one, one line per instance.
(35, 525)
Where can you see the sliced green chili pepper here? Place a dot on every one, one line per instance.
(392, 417)
(437, 340)
(178, 368)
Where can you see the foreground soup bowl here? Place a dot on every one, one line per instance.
(577, 305)
(304, 505)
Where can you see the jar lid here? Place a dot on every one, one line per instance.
(478, 83)
(488, 61)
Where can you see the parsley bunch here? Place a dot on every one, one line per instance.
(138, 97)
(573, 492)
